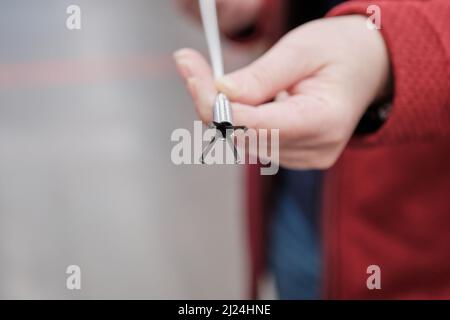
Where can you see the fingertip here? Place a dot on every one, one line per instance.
(183, 62)
(182, 53)
(184, 68)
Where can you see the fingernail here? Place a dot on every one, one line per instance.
(184, 68)
(227, 86)
(179, 53)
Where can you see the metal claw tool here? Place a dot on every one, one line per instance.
(223, 123)
(222, 115)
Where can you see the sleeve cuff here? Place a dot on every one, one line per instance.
(418, 59)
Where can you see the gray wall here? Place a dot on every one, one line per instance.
(85, 171)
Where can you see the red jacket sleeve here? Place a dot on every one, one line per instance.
(417, 34)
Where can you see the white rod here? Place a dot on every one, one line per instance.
(210, 25)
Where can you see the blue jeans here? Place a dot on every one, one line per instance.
(294, 248)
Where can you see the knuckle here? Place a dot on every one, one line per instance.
(258, 80)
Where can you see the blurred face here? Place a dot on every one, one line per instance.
(234, 15)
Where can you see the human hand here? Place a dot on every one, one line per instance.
(233, 15)
(328, 72)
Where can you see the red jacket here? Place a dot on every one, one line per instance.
(387, 199)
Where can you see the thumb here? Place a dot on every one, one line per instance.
(281, 67)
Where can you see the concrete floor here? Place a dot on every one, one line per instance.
(85, 171)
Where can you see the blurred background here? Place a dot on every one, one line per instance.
(85, 170)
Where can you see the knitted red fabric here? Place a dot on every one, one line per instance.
(417, 34)
(386, 203)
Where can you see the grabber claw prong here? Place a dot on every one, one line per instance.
(223, 123)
